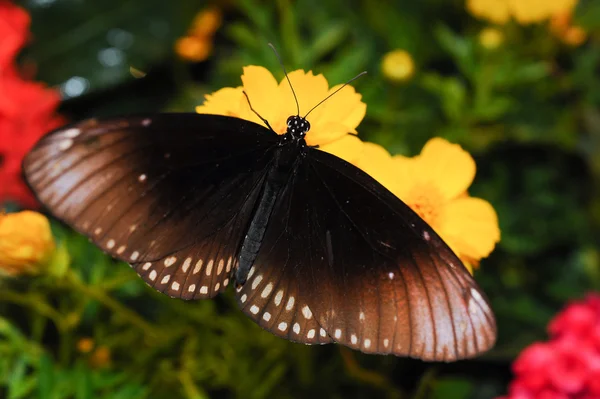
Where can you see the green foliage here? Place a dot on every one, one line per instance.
(527, 110)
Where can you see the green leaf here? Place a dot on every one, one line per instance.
(88, 45)
(455, 388)
(46, 377)
(61, 259)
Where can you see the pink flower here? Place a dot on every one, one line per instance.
(568, 365)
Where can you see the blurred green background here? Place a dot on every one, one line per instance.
(526, 106)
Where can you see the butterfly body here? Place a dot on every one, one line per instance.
(320, 251)
(291, 146)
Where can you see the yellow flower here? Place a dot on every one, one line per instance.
(197, 45)
(100, 358)
(330, 122)
(85, 345)
(398, 66)
(523, 11)
(206, 22)
(26, 242)
(434, 184)
(561, 27)
(193, 48)
(491, 38)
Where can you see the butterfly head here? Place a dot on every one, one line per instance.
(297, 126)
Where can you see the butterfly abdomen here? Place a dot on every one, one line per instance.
(279, 173)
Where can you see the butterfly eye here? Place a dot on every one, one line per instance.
(290, 121)
(305, 127)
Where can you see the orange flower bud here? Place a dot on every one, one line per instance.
(26, 243)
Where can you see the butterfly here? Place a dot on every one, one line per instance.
(318, 251)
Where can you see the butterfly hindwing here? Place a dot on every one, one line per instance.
(272, 294)
(170, 194)
(367, 270)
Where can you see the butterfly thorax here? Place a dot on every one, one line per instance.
(297, 127)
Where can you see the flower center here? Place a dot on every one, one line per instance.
(426, 200)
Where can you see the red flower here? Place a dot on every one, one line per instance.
(567, 366)
(578, 319)
(27, 109)
(14, 24)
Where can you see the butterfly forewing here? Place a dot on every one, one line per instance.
(171, 194)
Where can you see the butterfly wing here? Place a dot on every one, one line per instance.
(171, 194)
(362, 269)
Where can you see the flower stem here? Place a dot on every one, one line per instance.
(114, 305)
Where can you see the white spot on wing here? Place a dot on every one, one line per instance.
(310, 334)
(186, 265)
(153, 275)
(306, 312)
(110, 244)
(338, 333)
(220, 266)
(282, 326)
(197, 267)
(353, 339)
(165, 279)
(426, 235)
(322, 333)
(175, 286)
(209, 267)
(265, 293)
(367, 343)
(170, 261)
(72, 133)
(386, 342)
(278, 298)
(243, 298)
(290, 303)
(65, 144)
(256, 281)
(204, 289)
(146, 266)
(142, 178)
(192, 288)
(134, 255)
(267, 316)
(254, 309)
(296, 328)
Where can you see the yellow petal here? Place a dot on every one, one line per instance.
(405, 178)
(377, 162)
(261, 88)
(497, 11)
(344, 107)
(309, 89)
(227, 101)
(349, 148)
(470, 227)
(446, 165)
(326, 132)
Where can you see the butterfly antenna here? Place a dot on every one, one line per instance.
(266, 122)
(344, 85)
(286, 76)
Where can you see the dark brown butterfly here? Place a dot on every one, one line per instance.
(320, 251)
